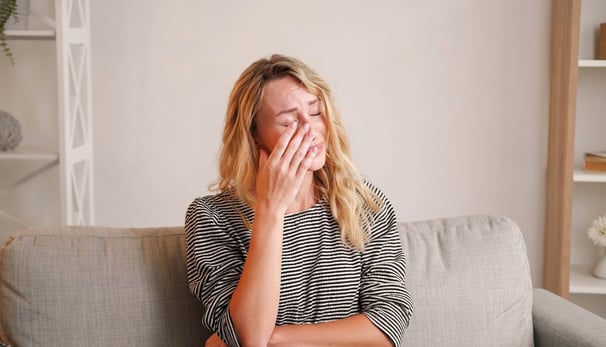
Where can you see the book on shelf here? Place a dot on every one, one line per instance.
(595, 161)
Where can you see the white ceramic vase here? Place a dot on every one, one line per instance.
(599, 269)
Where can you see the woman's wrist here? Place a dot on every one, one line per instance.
(269, 211)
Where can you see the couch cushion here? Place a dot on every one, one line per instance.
(470, 282)
(93, 286)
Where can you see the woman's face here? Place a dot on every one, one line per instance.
(285, 101)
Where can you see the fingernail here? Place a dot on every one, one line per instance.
(306, 126)
(293, 125)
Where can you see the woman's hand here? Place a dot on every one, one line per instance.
(255, 301)
(214, 341)
(281, 173)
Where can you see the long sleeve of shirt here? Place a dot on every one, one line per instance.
(384, 298)
(214, 265)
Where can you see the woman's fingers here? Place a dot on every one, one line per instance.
(305, 164)
(296, 148)
(281, 171)
(302, 150)
(284, 141)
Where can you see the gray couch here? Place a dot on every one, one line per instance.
(95, 286)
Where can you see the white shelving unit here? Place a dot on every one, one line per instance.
(19, 167)
(581, 175)
(30, 34)
(27, 153)
(576, 126)
(583, 282)
(592, 63)
(588, 187)
(71, 34)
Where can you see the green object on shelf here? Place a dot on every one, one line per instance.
(8, 9)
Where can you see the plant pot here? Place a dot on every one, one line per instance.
(599, 268)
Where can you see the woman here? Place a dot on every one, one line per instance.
(295, 248)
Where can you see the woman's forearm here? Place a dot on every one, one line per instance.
(353, 331)
(254, 304)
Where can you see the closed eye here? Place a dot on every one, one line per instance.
(289, 122)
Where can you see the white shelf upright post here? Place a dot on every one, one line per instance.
(75, 111)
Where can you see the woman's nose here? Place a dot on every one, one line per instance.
(301, 122)
(303, 118)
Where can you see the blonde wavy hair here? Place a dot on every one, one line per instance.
(352, 203)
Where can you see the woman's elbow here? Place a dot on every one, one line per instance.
(253, 339)
(254, 342)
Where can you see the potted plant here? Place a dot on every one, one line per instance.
(8, 9)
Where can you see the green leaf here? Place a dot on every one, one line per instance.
(8, 9)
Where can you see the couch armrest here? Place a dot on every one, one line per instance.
(559, 323)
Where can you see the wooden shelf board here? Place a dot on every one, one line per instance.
(30, 34)
(581, 175)
(583, 282)
(592, 63)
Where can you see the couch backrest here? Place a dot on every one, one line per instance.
(470, 282)
(85, 286)
(94, 286)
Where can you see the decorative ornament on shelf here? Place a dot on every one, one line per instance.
(10, 132)
(597, 234)
(8, 10)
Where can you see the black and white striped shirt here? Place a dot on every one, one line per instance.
(322, 279)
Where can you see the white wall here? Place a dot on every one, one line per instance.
(446, 101)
